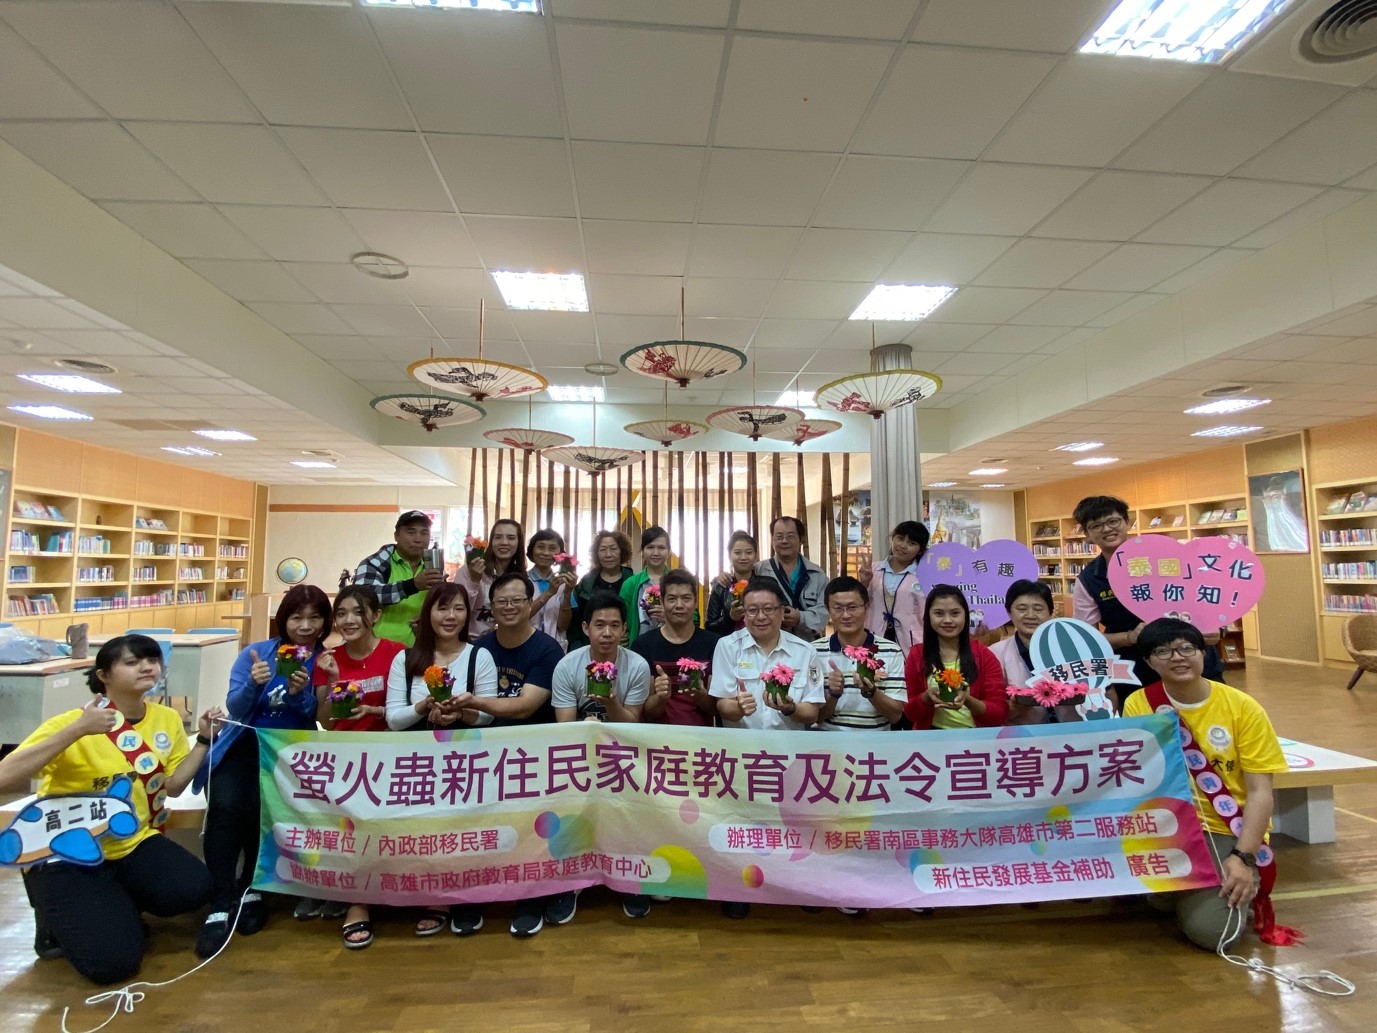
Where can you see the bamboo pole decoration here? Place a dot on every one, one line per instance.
(501, 454)
(753, 497)
(683, 536)
(538, 495)
(624, 515)
(526, 480)
(549, 492)
(845, 528)
(705, 517)
(776, 487)
(653, 513)
(645, 490)
(801, 493)
(567, 474)
(721, 543)
(730, 464)
(829, 526)
(473, 475)
(617, 501)
(486, 496)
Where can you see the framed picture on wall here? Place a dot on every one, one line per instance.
(1278, 512)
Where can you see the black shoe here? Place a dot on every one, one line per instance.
(559, 909)
(635, 905)
(812, 910)
(332, 909)
(215, 930)
(253, 914)
(529, 918)
(45, 945)
(466, 919)
(735, 908)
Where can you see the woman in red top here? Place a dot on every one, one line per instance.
(947, 647)
(363, 659)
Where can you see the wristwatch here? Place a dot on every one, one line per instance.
(202, 739)
(1249, 859)
(837, 694)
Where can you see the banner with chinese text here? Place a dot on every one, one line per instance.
(895, 819)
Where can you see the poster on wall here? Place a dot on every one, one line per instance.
(954, 517)
(1277, 508)
(857, 518)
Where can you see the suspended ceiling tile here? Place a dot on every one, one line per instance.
(31, 88)
(1138, 267)
(293, 318)
(296, 234)
(1335, 145)
(1009, 199)
(1228, 210)
(876, 19)
(775, 188)
(653, 248)
(99, 159)
(523, 244)
(987, 304)
(417, 238)
(993, 23)
(637, 181)
(1119, 205)
(830, 254)
(880, 193)
(1042, 263)
(365, 168)
(945, 258)
(752, 251)
(706, 13)
(1070, 307)
(812, 299)
(251, 281)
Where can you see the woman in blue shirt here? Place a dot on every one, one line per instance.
(266, 690)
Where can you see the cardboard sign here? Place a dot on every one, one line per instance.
(983, 574)
(1208, 582)
(69, 828)
(1067, 650)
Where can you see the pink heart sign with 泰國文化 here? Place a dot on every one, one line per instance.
(1209, 582)
(983, 574)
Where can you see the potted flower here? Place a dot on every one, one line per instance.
(474, 547)
(439, 682)
(566, 562)
(1048, 692)
(291, 658)
(691, 674)
(344, 699)
(868, 664)
(777, 681)
(654, 595)
(950, 682)
(600, 678)
(739, 591)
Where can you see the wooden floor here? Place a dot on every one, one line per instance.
(1066, 968)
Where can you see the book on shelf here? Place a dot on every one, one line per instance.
(56, 514)
(1178, 520)
(1371, 504)
(1356, 502)
(1335, 505)
(1155, 522)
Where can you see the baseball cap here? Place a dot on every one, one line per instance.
(411, 516)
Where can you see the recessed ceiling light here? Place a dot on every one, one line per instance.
(544, 292)
(50, 412)
(1079, 446)
(85, 365)
(992, 485)
(601, 369)
(904, 302)
(319, 453)
(988, 471)
(509, 6)
(1225, 432)
(1201, 31)
(70, 383)
(940, 484)
(796, 399)
(225, 435)
(313, 464)
(189, 450)
(1096, 461)
(574, 393)
(1226, 405)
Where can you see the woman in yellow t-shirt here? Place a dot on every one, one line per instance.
(91, 913)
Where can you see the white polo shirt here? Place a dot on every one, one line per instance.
(738, 657)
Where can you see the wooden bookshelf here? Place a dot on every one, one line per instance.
(1346, 548)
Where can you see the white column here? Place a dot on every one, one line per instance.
(895, 477)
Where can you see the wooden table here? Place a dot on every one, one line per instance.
(1304, 795)
(32, 693)
(199, 669)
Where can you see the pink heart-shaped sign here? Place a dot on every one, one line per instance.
(1209, 582)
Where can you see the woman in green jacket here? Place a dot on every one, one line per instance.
(643, 609)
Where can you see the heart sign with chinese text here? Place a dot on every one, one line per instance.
(1208, 582)
(983, 574)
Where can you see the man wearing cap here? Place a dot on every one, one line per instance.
(400, 577)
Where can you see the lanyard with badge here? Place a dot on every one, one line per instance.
(145, 763)
(891, 600)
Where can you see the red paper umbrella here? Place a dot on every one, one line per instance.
(528, 440)
(427, 410)
(593, 458)
(877, 393)
(757, 420)
(666, 432)
(682, 362)
(806, 430)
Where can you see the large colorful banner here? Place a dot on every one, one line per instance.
(901, 819)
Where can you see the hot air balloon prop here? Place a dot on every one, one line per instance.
(1067, 650)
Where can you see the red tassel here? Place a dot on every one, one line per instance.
(1265, 925)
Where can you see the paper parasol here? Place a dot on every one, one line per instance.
(593, 458)
(528, 440)
(682, 362)
(427, 410)
(755, 420)
(477, 378)
(807, 430)
(877, 393)
(666, 432)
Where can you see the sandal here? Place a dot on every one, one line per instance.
(434, 919)
(354, 929)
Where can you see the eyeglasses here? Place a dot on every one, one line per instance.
(1108, 524)
(508, 604)
(1185, 651)
(846, 609)
(762, 611)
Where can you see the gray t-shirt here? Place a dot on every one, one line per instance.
(570, 686)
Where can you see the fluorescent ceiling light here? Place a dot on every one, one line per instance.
(796, 399)
(1079, 446)
(902, 302)
(510, 6)
(1201, 31)
(574, 393)
(1225, 432)
(1226, 405)
(992, 485)
(1096, 461)
(50, 412)
(313, 464)
(940, 484)
(225, 435)
(545, 292)
(69, 382)
(189, 450)
(988, 471)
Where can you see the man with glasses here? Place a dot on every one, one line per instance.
(853, 703)
(526, 661)
(1232, 737)
(1105, 521)
(803, 582)
(740, 663)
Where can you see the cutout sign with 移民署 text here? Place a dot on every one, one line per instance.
(983, 574)
(1208, 582)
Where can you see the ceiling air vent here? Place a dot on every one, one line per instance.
(84, 366)
(1224, 391)
(1345, 32)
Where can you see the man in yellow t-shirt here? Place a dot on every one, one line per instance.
(1236, 737)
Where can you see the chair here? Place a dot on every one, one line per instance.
(1359, 637)
(150, 631)
(213, 631)
(159, 692)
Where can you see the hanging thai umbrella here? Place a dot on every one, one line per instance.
(682, 362)
(666, 432)
(754, 421)
(428, 410)
(877, 393)
(528, 440)
(477, 377)
(804, 431)
(593, 459)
